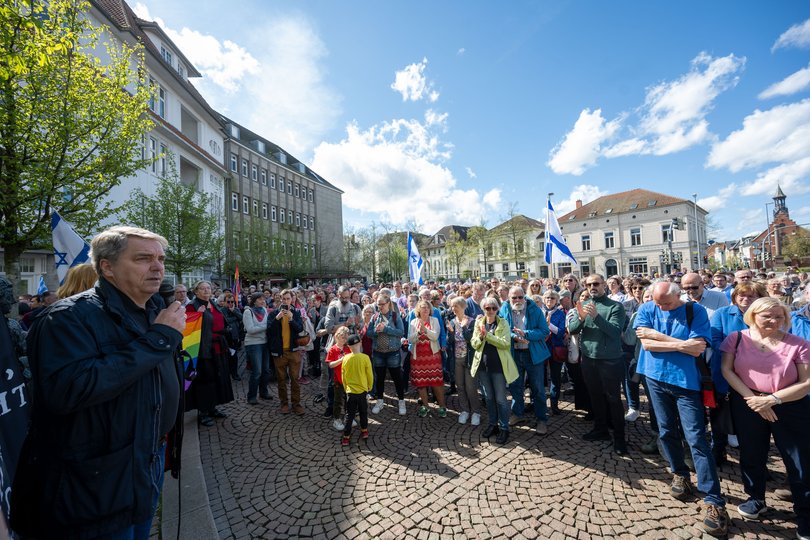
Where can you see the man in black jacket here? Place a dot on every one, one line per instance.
(283, 327)
(106, 393)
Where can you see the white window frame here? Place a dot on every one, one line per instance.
(234, 201)
(311, 195)
(306, 221)
(297, 219)
(297, 191)
(282, 217)
(255, 208)
(610, 239)
(281, 184)
(635, 232)
(234, 163)
(263, 177)
(264, 210)
(289, 217)
(254, 172)
(153, 153)
(272, 180)
(273, 213)
(245, 204)
(586, 242)
(163, 151)
(244, 168)
(289, 187)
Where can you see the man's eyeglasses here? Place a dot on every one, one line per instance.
(690, 287)
(381, 304)
(594, 284)
(230, 302)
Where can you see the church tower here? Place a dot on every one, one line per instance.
(779, 208)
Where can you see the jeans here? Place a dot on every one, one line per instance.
(792, 439)
(537, 373)
(670, 401)
(555, 376)
(259, 356)
(140, 531)
(631, 393)
(383, 361)
(493, 386)
(603, 377)
(467, 387)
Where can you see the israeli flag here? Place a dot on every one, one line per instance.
(414, 261)
(42, 289)
(69, 249)
(556, 249)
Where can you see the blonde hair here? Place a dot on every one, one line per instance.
(423, 304)
(342, 330)
(79, 278)
(766, 304)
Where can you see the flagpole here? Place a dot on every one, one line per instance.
(548, 201)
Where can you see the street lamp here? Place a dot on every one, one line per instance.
(767, 236)
(697, 235)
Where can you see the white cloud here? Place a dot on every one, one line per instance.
(755, 215)
(719, 201)
(395, 170)
(583, 192)
(787, 175)
(461, 51)
(280, 79)
(672, 119)
(581, 147)
(471, 173)
(793, 83)
(780, 134)
(412, 84)
(797, 35)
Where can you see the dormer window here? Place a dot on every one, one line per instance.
(651, 203)
(633, 206)
(166, 54)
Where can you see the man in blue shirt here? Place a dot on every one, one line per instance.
(671, 347)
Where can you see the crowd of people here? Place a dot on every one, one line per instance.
(721, 351)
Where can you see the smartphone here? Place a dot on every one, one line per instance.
(284, 307)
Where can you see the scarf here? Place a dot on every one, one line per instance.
(259, 313)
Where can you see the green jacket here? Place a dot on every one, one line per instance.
(502, 340)
(601, 338)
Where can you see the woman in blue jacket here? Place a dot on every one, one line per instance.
(555, 318)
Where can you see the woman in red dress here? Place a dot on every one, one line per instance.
(426, 363)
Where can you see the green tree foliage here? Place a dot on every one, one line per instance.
(70, 125)
(796, 247)
(183, 216)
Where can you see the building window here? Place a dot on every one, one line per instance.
(289, 217)
(273, 180)
(153, 153)
(284, 247)
(282, 216)
(521, 266)
(246, 242)
(255, 207)
(235, 202)
(666, 232)
(254, 173)
(27, 265)
(306, 222)
(244, 168)
(297, 219)
(297, 191)
(157, 101)
(608, 240)
(264, 210)
(586, 242)
(311, 195)
(312, 223)
(234, 163)
(306, 249)
(505, 267)
(521, 245)
(281, 183)
(585, 268)
(181, 70)
(635, 236)
(245, 204)
(272, 213)
(163, 153)
(166, 54)
(289, 187)
(504, 248)
(263, 177)
(638, 265)
(490, 251)
(235, 240)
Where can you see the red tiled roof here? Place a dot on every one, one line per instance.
(622, 202)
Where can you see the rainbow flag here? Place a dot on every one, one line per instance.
(192, 335)
(237, 288)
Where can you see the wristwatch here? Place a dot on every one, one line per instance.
(776, 399)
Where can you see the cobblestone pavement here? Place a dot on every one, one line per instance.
(285, 476)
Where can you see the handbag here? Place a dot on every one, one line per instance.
(303, 339)
(720, 416)
(559, 353)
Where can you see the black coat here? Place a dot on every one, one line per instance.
(274, 342)
(95, 416)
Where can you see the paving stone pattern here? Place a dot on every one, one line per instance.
(285, 476)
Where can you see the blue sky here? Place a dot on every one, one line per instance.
(448, 112)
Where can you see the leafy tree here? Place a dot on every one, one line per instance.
(70, 126)
(796, 246)
(515, 228)
(457, 249)
(182, 215)
(480, 240)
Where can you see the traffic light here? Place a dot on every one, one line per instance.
(676, 224)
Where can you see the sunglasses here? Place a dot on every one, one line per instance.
(569, 279)
(490, 308)
(516, 297)
(690, 287)
(230, 302)
(594, 284)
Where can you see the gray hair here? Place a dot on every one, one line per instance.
(110, 244)
(487, 300)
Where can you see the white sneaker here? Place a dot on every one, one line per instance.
(338, 425)
(354, 423)
(402, 410)
(463, 417)
(378, 407)
(631, 416)
(733, 442)
(475, 419)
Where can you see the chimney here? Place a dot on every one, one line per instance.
(579, 204)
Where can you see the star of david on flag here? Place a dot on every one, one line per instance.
(556, 249)
(414, 261)
(69, 249)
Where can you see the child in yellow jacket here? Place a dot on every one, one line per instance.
(358, 378)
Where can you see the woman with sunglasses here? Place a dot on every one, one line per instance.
(235, 331)
(494, 366)
(571, 284)
(535, 288)
(385, 328)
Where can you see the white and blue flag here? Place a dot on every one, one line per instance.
(556, 249)
(42, 288)
(414, 261)
(69, 249)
